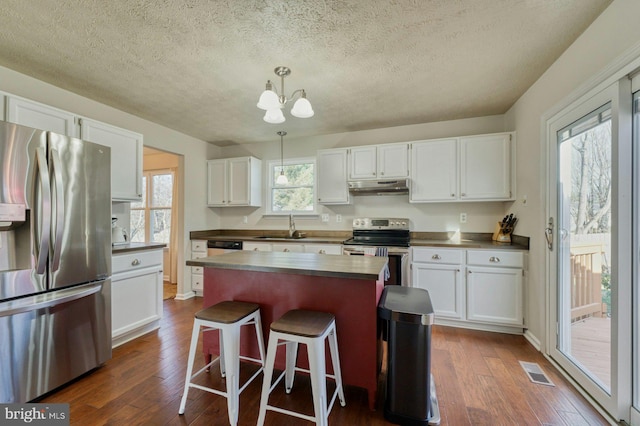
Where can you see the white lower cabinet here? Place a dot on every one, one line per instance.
(494, 295)
(287, 247)
(494, 287)
(136, 294)
(293, 247)
(256, 246)
(439, 272)
(323, 248)
(444, 286)
(472, 288)
(198, 250)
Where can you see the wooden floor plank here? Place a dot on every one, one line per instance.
(477, 376)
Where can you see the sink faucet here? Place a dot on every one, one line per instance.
(292, 226)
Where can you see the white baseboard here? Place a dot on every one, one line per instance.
(135, 333)
(185, 296)
(533, 340)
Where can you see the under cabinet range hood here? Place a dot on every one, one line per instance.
(379, 187)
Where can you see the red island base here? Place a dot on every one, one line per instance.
(353, 302)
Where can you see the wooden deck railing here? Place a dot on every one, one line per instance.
(586, 285)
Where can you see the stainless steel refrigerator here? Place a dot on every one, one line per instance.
(55, 260)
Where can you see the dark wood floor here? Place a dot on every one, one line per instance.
(478, 379)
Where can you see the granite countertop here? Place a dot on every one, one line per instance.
(418, 239)
(353, 267)
(279, 239)
(123, 248)
(467, 244)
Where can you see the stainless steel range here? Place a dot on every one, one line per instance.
(390, 235)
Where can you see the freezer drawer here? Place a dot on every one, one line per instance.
(50, 339)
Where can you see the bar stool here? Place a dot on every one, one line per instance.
(310, 328)
(228, 317)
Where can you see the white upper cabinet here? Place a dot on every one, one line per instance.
(393, 161)
(473, 168)
(485, 167)
(363, 163)
(379, 161)
(434, 170)
(234, 182)
(332, 176)
(126, 157)
(39, 116)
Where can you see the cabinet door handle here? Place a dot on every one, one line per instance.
(135, 262)
(285, 250)
(436, 257)
(494, 259)
(463, 194)
(453, 195)
(255, 249)
(322, 252)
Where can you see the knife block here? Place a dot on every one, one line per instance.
(501, 235)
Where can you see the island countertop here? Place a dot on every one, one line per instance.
(323, 265)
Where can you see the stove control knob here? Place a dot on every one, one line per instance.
(404, 223)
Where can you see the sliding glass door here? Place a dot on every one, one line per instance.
(589, 245)
(584, 245)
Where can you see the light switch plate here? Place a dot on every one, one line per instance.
(325, 217)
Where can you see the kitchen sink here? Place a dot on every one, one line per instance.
(270, 237)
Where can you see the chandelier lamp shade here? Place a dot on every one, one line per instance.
(273, 102)
(281, 179)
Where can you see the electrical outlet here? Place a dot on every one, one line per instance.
(463, 218)
(325, 217)
(338, 218)
(245, 219)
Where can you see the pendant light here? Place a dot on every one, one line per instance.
(281, 179)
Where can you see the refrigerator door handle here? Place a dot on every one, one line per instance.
(58, 191)
(42, 219)
(47, 301)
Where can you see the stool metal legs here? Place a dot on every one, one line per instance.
(317, 371)
(229, 361)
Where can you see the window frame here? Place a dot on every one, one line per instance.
(273, 168)
(147, 208)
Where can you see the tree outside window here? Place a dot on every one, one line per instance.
(298, 195)
(151, 218)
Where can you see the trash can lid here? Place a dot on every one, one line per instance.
(406, 304)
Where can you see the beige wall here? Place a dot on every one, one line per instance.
(613, 33)
(192, 150)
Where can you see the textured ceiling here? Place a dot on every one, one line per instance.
(198, 66)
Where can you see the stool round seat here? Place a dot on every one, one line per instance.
(227, 312)
(303, 323)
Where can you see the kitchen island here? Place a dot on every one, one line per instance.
(347, 286)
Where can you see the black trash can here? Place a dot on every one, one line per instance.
(407, 317)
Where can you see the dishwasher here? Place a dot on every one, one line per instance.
(216, 247)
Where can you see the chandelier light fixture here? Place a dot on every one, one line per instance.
(281, 179)
(273, 102)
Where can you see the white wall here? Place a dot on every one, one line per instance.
(424, 217)
(195, 214)
(614, 31)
